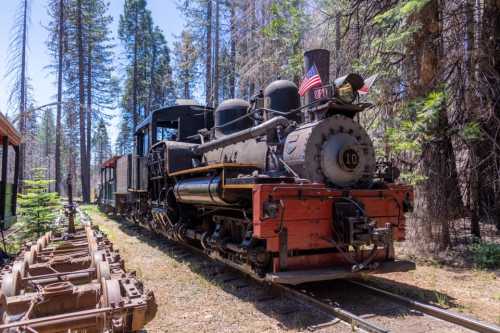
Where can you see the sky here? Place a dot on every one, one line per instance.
(165, 15)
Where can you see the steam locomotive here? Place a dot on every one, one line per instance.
(285, 192)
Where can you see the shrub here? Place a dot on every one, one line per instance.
(486, 255)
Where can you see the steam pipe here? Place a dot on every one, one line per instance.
(243, 135)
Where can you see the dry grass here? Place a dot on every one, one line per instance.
(467, 290)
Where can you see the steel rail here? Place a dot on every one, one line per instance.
(433, 311)
(338, 312)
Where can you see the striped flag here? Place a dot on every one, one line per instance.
(311, 80)
(367, 85)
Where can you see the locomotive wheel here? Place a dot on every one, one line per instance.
(11, 284)
(103, 271)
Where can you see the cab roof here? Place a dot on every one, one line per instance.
(174, 113)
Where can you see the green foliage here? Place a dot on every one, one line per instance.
(393, 44)
(37, 206)
(471, 131)
(148, 75)
(401, 11)
(415, 127)
(416, 124)
(287, 28)
(185, 55)
(101, 143)
(486, 255)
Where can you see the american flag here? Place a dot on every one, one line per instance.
(311, 80)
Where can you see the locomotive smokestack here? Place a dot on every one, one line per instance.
(320, 58)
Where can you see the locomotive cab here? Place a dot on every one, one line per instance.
(178, 123)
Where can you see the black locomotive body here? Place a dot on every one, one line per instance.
(287, 193)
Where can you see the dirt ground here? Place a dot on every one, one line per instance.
(468, 291)
(190, 299)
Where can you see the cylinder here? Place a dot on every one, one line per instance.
(202, 190)
(229, 117)
(320, 58)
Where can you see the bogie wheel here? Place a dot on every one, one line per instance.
(22, 267)
(111, 297)
(103, 271)
(30, 256)
(40, 244)
(97, 257)
(11, 284)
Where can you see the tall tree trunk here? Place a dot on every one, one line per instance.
(135, 118)
(47, 148)
(58, 175)
(186, 90)
(152, 71)
(471, 105)
(216, 54)
(208, 63)
(232, 69)
(81, 106)
(439, 194)
(89, 105)
(338, 17)
(22, 102)
(490, 88)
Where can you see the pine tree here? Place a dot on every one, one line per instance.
(55, 44)
(134, 33)
(148, 83)
(185, 63)
(46, 138)
(101, 144)
(81, 45)
(20, 94)
(38, 206)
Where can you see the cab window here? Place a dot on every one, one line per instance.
(167, 130)
(143, 143)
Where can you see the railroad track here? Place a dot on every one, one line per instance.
(418, 316)
(316, 294)
(434, 311)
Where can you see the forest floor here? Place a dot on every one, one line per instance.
(190, 300)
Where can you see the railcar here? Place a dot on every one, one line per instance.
(287, 192)
(11, 139)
